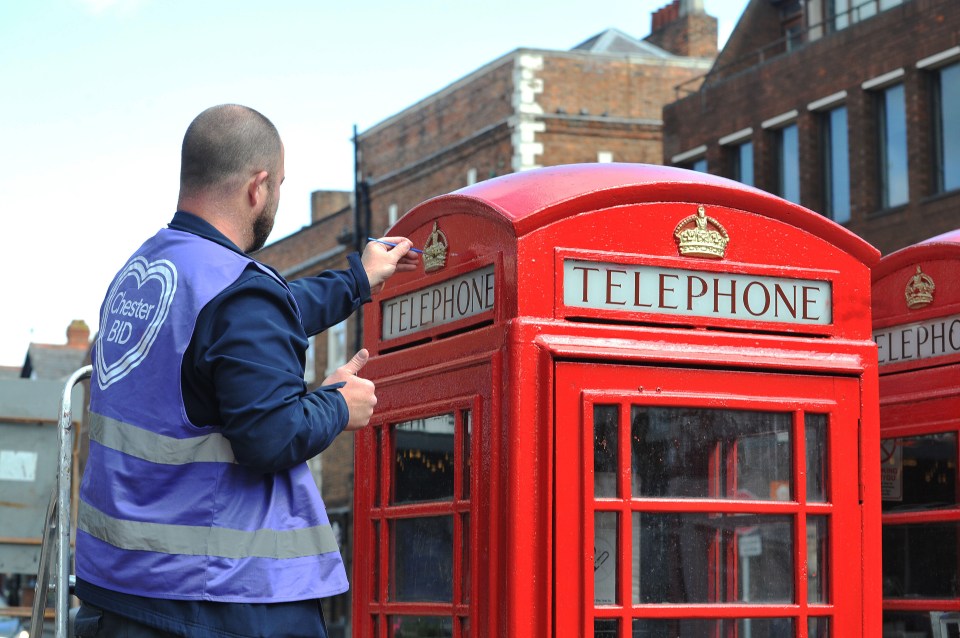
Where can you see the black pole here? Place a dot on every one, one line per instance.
(359, 234)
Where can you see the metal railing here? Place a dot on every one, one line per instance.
(56, 532)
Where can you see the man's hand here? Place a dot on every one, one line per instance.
(358, 393)
(381, 261)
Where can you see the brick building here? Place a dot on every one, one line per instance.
(599, 102)
(853, 112)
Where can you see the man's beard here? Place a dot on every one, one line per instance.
(262, 225)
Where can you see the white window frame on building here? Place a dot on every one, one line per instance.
(336, 346)
(739, 146)
(944, 68)
(834, 155)
(892, 137)
(695, 159)
(786, 136)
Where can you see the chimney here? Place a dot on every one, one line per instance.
(684, 28)
(326, 203)
(78, 334)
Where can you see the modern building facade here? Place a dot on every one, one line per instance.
(850, 108)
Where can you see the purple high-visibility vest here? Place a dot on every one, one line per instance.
(165, 510)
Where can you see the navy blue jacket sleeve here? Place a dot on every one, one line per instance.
(244, 369)
(318, 296)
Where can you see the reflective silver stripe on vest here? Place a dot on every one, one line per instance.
(205, 541)
(158, 448)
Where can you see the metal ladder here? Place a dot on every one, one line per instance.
(56, 533)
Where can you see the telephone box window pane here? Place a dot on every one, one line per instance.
(920, 561)
(817, 559)
(467, 432)
(818, 628)
(376, 561)
(815, 426)
(922, 624)
(606, 628)
(712, 627)
(464, 628)
(688, 453)
(606, 419)
(919, 472)
(714, 558)
(605, 558)
(378, 451)
(422, 560)
(420, 627)
(465, 551)
(423, 467)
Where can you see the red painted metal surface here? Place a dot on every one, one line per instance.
(512, 247)
(920, 427)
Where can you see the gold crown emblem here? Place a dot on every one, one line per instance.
(700, 241)
(919, 290)
(435, 250)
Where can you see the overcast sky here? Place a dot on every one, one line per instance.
(97, 94)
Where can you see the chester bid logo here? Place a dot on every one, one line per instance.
(136, 307)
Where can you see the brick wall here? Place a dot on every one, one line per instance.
(839, 61)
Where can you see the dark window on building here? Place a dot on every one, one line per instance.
(788, 163)
(699, 165)
(836, 165)
(946, 121)
(743, 163)
(892, 112)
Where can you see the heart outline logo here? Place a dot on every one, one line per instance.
(162, 271)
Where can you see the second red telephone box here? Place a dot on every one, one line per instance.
(621, 400)
(916, 315)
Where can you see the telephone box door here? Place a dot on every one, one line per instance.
(706, 503)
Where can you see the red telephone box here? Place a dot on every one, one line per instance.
(621, 400)
(916, 318)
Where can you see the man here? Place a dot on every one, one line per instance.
(198, 515)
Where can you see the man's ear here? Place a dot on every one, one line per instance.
(257, 188)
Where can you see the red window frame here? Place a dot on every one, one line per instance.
(383, 513)
(579, 387)
(919, 403)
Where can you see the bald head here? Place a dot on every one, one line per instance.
(224, 144)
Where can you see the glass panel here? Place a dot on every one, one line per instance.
(949, 125)
(377, 455)
(423, 459)
(465, 627)
(467, 433)
(635, 557)
(789, 163)
(422, 559)
(605, 628)
(465, 558)
(376, 561)
(375, 624)
(744, 163)
(893, 122)
(605, 558)
(712, 627)
(420, 627)
(606, 419)
(700, 165)
(920, 561)
(921, 624)
(818, 628)
(816, 443)
(817, 568)
(837, 165)
(919, 473)
(683, 558)
(685, 453)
